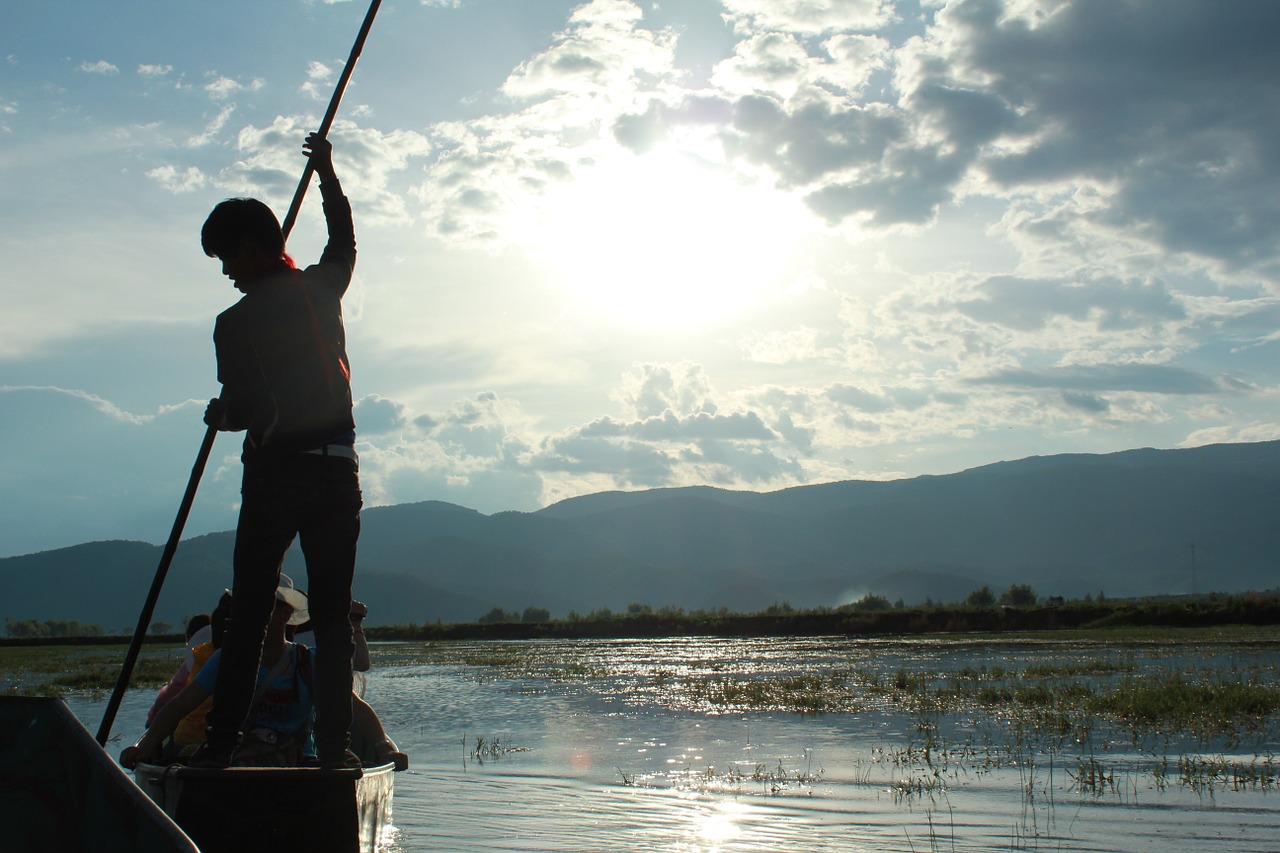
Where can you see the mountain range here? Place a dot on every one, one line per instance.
(1133, 523)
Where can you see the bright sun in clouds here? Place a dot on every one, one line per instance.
(665, 242)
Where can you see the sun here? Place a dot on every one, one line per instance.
(666, 241)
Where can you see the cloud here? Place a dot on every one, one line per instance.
(1135, 105)
(318, 80)
(476, 452)
(652, 389)
(1142, 101)
(702, 426)
(270, 163)
(781, 65)
(213, 128)
(809, 16)
(123, 484)
(100, 67)
(146, 70)
(487, 445)
(178, 181)
(601, 53)
(105, 407)
(677, 435)
(782, 347)
(222, 88)
(1232, 433)
(877, 401)
(1112, 304)
(1139, 378)
(498, 167)
(378, 415)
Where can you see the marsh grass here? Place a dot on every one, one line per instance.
(491, 748)
(770, 780)
(1215, 707)
(59, 670)
(1050, 701)
(814, 693)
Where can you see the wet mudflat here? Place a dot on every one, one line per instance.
(825, 744)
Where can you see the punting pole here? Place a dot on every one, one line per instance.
(301, 191)
(206, 447)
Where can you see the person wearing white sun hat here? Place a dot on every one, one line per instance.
(276, 728)
(295, 598)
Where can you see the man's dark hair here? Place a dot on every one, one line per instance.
(237, 221)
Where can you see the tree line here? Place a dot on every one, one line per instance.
(1017, 595)
(28, 629)
(1018, 608)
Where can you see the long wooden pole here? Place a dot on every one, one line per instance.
(301, 191)
(206, 446)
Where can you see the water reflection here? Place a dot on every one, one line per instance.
(614, 750)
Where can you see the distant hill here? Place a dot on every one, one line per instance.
(1122, 523)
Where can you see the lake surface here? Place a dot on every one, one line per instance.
(612, 746)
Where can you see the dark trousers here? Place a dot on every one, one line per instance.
(318, 499)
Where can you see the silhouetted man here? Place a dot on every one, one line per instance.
(285, 377)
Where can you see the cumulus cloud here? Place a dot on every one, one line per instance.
(676, 434)
(476, 451)
(601, 53)
(780, 64)
(100, 67)
(269, 163)
(178, 180)
(222, 88)
(489, 169)
(1032, 103)
(809, 16)
(652, 389)
(1141, 100)
(669, 427)
(148, 70)
(487, 444)
(318, 81)
(378, 415)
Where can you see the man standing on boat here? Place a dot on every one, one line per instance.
(285, 377)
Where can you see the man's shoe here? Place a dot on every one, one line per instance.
(212, 757)
(345, 760)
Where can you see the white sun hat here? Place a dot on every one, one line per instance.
(295, 598)
(290, 595)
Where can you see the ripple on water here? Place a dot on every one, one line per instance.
(603, 767)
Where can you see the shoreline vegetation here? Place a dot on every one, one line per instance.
(871, 617)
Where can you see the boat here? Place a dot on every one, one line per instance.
(61, 792)
(281, 809)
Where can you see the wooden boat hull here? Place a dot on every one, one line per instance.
(278, 809)
(59, 791)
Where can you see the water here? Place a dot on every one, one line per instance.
(600, 751)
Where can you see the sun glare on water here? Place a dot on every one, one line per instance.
(664, 242)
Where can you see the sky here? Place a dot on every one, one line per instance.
(606, 245)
